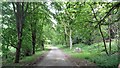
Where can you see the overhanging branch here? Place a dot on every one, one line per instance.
(108, 13)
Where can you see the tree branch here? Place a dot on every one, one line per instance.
(13, 46)
(25, 11)
(14, 8)
(23, 7)
(93, 12)
(108, 13)
(33, 9)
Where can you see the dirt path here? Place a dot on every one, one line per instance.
(55, 57)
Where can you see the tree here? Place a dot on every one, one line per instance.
(115, 6)
(20, 14)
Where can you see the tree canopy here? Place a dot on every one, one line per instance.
(27, 26)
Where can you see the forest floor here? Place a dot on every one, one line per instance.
(56, 57)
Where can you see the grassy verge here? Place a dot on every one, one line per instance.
(27, 59)
(95, 54)
(30, 59)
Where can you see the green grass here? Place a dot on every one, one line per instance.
(27, 59)
(32, 58)
(94, 53)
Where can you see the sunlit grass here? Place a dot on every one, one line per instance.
(95, 54)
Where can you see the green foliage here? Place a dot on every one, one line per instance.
(39, 15)
(25, 60)
(95, 54)
(79, 17)
(106, 61)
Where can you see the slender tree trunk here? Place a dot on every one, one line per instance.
(33, 37)
(65, 36)
(33, 41)
(109, 39)
(43, 44)
(118, 39)
(42, 40)
(6, 56)
(103, 39)
(70, 39)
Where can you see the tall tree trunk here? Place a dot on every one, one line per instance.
(65, 35)
(19, 31)
(20, 18)
(33, 41)
(33, 26)
(70, 39)
(20, 14)
(65, 38)
(109, 39)
(19, 43)
(118, 39)
(103, 39)
(43, 44)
